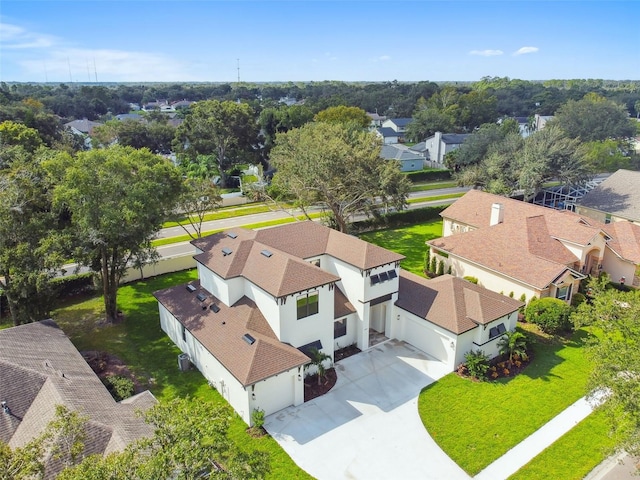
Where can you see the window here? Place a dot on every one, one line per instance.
(563, 293)
(307, 304)
(339, 328)
(497, 331)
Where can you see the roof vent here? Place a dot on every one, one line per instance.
(226, 251)
(232, 235)
(266, 253)
(215, 308)
(5, 407)
(249, 339)
(191, 288)
(201, 296)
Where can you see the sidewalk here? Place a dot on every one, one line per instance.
(531, 446)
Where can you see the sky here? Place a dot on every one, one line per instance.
(307, 40)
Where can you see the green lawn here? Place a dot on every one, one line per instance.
(574, 454)
(408, 241)
(152, 356)
(434, 198)
(475, 423)
(425, 187)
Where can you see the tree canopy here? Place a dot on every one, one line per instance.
(338, 168)
(118, 199)
(615, 350)
(226, 131)
(344, 114)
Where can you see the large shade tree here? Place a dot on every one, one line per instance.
(338, 168)
(227, 131)
(30, 238)
(615, 351)
(118, 199)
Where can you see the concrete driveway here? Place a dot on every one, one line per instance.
(367, 426)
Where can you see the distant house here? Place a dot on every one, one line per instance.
(135, 117)
(376, 120)
(82, 127)
(388, 135)
(410, 160)
(399, 125)
(182, 104)
(540, 121)
(40, 369)
(438, 145)
(616, 199)
(514, 246)
(266, 298)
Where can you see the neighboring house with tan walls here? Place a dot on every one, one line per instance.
(517, 248)
(265, 298)
(616, 199)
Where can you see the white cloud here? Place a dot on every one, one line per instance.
(15, 37)
(384, 58)
(330, 56)
(110, 65)
(486, 53)
(524, 50)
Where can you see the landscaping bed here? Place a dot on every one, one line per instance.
(313, 389)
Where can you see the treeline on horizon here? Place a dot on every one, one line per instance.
(395, 99)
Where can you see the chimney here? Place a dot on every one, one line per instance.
(497, 214)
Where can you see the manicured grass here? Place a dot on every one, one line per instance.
(408, 241)
(230, 212)
(152, 356)
(185, 238)
(434, 198)
(475, 423)
(425, 187)
(574, 454)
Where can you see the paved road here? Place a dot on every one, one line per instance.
(279, 214)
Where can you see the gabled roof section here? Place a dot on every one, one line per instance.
(454, 138)
(240, 254)
(39, 369)
(618, 195)
(625, 240)
(452, 303)
(387, 132)
(474, 208)
(221, 333)
(399, 152)
(310, 239)
(342, 305)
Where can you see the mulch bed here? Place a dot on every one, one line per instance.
(313, 390)
(345, 352)
(104, 365)
(499, 368)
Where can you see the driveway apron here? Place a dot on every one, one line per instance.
(367, 426)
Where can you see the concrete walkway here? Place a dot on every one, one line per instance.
(368, 427)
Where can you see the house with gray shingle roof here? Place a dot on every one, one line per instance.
(616, 199)
(439, 144)
(409, 160)
(530, 250)
(265, 298)
(40, 369)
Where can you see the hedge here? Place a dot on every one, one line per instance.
(429, 175)
(398, 219)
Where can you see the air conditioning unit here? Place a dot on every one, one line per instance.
(183, 362)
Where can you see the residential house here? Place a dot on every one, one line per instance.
(181, 104)
(40, 369)
(398, 125)
(376, 120)
(265, 298)
(135, 117)
(521, 249)
(616, 199)
(409, 160)
(539, 121)
(388, 135)
(82, 127)
(439, 144)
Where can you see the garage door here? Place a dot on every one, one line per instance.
(422, 335)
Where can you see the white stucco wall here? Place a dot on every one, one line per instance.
(352, 335)
(428, 337)
(272, 394)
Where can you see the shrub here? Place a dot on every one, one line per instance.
(257, 418)
(577, 299)
(511, 294)
(550, 314)
(429, 175)
(427, 254)
(119, 387)
(477, 363)
(471, 279)
(523, 299)
(434, 264)
(440, 268)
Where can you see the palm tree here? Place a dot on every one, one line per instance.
(513, 343)
(317, 358)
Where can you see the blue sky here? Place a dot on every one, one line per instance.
(305, 40)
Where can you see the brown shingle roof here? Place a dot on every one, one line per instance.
(342, 305)
(452, 303)
(39, 369)
(222, 334)
(310, 239)
(625, 240)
